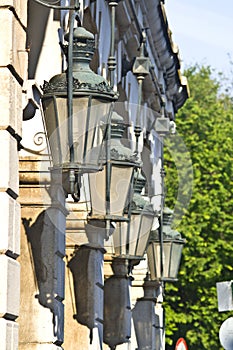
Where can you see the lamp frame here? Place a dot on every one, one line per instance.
(159, 270)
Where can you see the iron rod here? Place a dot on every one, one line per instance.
(70, 88)
(112, 59)
(161, 216)
(137, 128)
(131, 191)
(108, 168)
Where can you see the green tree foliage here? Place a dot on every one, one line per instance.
(205, 124)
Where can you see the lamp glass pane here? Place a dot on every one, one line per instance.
(135, 223)
(125, 244)
(135, 243)
(89, 124)
(153, 254)
(167, 249)
(146, 222)
(119, 188)
(53, 127)
(120, 238)
(90, 118)
(175, 259)
(120, 178)
(97, 186)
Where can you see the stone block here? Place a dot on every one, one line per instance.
(8, 335)
(8, 162)
(13, 36)
(10, 287)
(34, 169)
(19, 7)
(10, 101)
(10, 225)
(39, 346)
(34, 195)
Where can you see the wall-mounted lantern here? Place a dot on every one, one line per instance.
(164, 253)
(77, 110)
(110, 188)
(131, 237)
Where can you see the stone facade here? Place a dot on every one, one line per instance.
(13, 71)
(37, 298)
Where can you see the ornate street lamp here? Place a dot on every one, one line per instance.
(130, 241)
(77, 109)
(164, 253)
(110, 188)
(130, 238)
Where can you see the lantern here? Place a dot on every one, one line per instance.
(131, 237)
(110, 188)
(74, 104)
(164, 254)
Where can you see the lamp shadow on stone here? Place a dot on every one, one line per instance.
(47, 264)
(86, 267)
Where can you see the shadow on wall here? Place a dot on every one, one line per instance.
(36, 27)
(41, 236)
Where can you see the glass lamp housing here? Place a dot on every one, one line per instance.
(172, 251)
(110, 188)
(71, 137)
(170, 245)
(131, 238)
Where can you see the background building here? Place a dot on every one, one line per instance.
(34, 301)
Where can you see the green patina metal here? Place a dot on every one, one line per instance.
(118, 152)
(138, 202)
(84, 80)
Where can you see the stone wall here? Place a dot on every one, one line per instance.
(13, 66)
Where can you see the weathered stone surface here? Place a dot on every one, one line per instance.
(14, 43)
(37, 346)
(8, 334)
(34, 170)
(8, 162)
(10, 287)
(10, 225)
(10, 101)
(28, 196)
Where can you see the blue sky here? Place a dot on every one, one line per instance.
(203, 30)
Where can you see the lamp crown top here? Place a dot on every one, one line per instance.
(139, 202)
(80, 35)
(117, 126)
(167, 216)
(139, 182)
(79, 52)
(83, 45)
